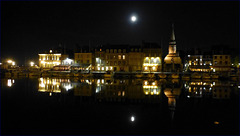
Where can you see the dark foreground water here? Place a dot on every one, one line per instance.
(118, 106)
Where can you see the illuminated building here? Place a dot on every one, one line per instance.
(199, 63)
(99, 59)
(221, 63)
(136, 57)
(152, 61)
(173, 62)
(48, 60)
(116, 58)
(83, 59)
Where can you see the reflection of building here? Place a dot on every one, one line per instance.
(221, 90)
(172, 94)
(151, 88)
(48, 60)
(49, 85)
(198, 88)
(84, 88)
(173, 61)
(54, 85)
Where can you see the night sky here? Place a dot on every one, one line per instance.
(29, 28)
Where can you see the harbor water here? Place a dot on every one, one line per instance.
(80, 106)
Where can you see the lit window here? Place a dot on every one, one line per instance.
(98, 68)
(153, 68)
(155, 60)
(119, 56)
(102, 68)
(145, 68)
(123, 56)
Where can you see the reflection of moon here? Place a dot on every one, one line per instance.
(132, 118)
(133, 18)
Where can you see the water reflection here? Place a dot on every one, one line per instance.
(135, 99)
(120, 89)
(54, 85)
(215, 89)
(7, 82)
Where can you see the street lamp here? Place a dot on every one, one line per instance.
(31, 63)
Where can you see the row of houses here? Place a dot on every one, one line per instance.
(146, 57)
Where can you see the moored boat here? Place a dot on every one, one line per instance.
(206, 76)
(215, 76)
(186, 77)
(175, 75)
(196, 76)
(162, 75)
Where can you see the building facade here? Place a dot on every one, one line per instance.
(221, 63)
(48, 60)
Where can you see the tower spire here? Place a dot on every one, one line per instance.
(172, 38)
(173, 35)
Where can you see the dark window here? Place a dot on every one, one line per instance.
(220, 57)
(226, 57)
(215, 57)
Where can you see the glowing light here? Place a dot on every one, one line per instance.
(145, 82)
(9, 61)
(145, 68)
(238, 86)
(216, 122)
(188, 96)
(106, 68)
(153, 68)
(102, 68)
(9, 83)
(50, 94)
(13, 63)
(50, 51)
(149, 86)
(98, 81)
(31, 64)
(147, 64)
(153, 83)
(111, 68)
(132, 118)
(67, 87)
(133, 18)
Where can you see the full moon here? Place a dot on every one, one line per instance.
(133, 18)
